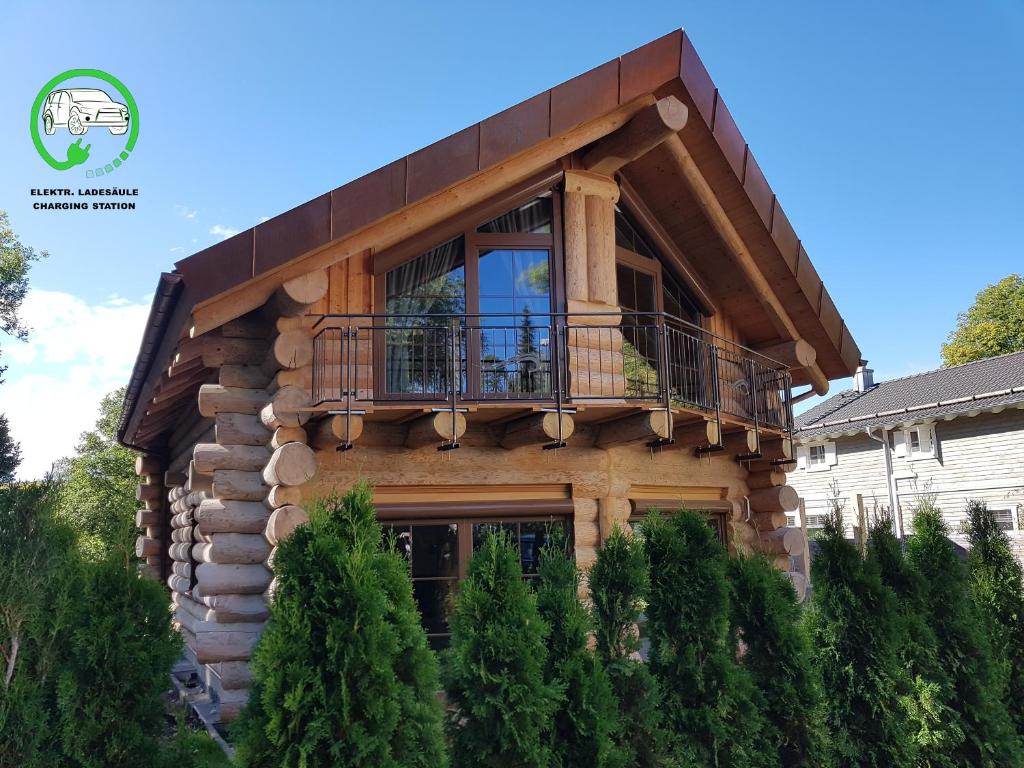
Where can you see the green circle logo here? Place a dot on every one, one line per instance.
(78, 110)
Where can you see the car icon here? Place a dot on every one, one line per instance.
(79, 109)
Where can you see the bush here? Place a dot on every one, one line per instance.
(963, 646)
(619, 584)
(119, 653)
(995, 577)
(342, 673)
(777, 654)
(494, 670)
(709, 701)
(934, 726)
(853, 626)
(586, 716)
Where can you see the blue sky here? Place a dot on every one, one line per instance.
(891, 132)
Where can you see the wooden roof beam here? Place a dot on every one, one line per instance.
(722, 224)
(649, 128)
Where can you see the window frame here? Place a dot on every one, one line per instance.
(1012, 511)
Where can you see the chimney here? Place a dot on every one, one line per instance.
(864, 378)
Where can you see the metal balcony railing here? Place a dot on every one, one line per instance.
(558, 358)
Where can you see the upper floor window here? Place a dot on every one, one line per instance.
(818, 457)
(915, 442)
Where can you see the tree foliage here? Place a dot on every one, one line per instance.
(934, 726)
(963, 646)
(97, 493)
(10, 452)
(15, 262)
(343, 675)
(494, 669)
(994, 324)
(998, 591)
(777, 654)
(619, 585)
(853, 626)
(710, 704)
(582, 728)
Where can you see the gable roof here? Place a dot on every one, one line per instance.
(980, 385)
(666, 66)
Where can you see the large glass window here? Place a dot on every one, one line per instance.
(438, 553)
(477, 307)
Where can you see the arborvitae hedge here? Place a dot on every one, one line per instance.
(619, 585)
(934, 726)
(777, 654)
(710, 703)
(853, 625)
(963, 645)
(343, 675)
(587, 715)
(494, 668)
(996, 578)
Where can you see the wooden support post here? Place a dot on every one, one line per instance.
(537, 429)
(575, 228)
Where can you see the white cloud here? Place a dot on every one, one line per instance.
(77, 352)
(185, 212)
(223, 232)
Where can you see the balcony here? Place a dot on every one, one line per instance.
(597, 367)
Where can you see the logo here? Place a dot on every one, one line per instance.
(85, 104)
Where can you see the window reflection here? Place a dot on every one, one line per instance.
(532, 218)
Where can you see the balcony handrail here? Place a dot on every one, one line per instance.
(704, 333)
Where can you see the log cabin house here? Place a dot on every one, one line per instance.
(586, 306)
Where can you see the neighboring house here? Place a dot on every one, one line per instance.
(586, 306)
(954, 433)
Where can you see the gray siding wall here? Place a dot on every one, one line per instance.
(980, 457)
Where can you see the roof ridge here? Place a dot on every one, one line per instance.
(950, 367)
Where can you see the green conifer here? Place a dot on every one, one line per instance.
(777, 654)
(710, 703)
(963, 645)
(343, 675)
(587, 716)
(853, 626)
(494, 668)
(619, 584)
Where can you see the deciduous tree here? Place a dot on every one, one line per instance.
(994, 324)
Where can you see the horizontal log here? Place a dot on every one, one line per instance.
(768, 521)
(537, 429)
(766, 479)
(782, 541)
(183, 534)
(198, 482)
(224, 645)
(640, 427)
(209, 457)
(288, 408)
(224, 516)
(223, 579)
(779, 498)
(149, 492)
(283, 495)
(147, 517)
(646, 130)
(295, 296)
(233, 674)
(182, 568)
(741, 442)
(234, 609)
(145, 547)
(180, 551)
(240, 429)
(216, 398)
(147, 464)
(283, 522)
(435, 428)
(173, 478)
(244, 548)
(243, 376)
(776, 449)
(792, 354)
(177, 584)
(284, 435)
(331, 432)
(291, 349)
(291, 464)
(250, 326)
(233, 484)
(698, 435)
(296, 377)
(219, 350)
(799, 582)
(587, 534)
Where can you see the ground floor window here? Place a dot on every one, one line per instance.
(438, 553)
